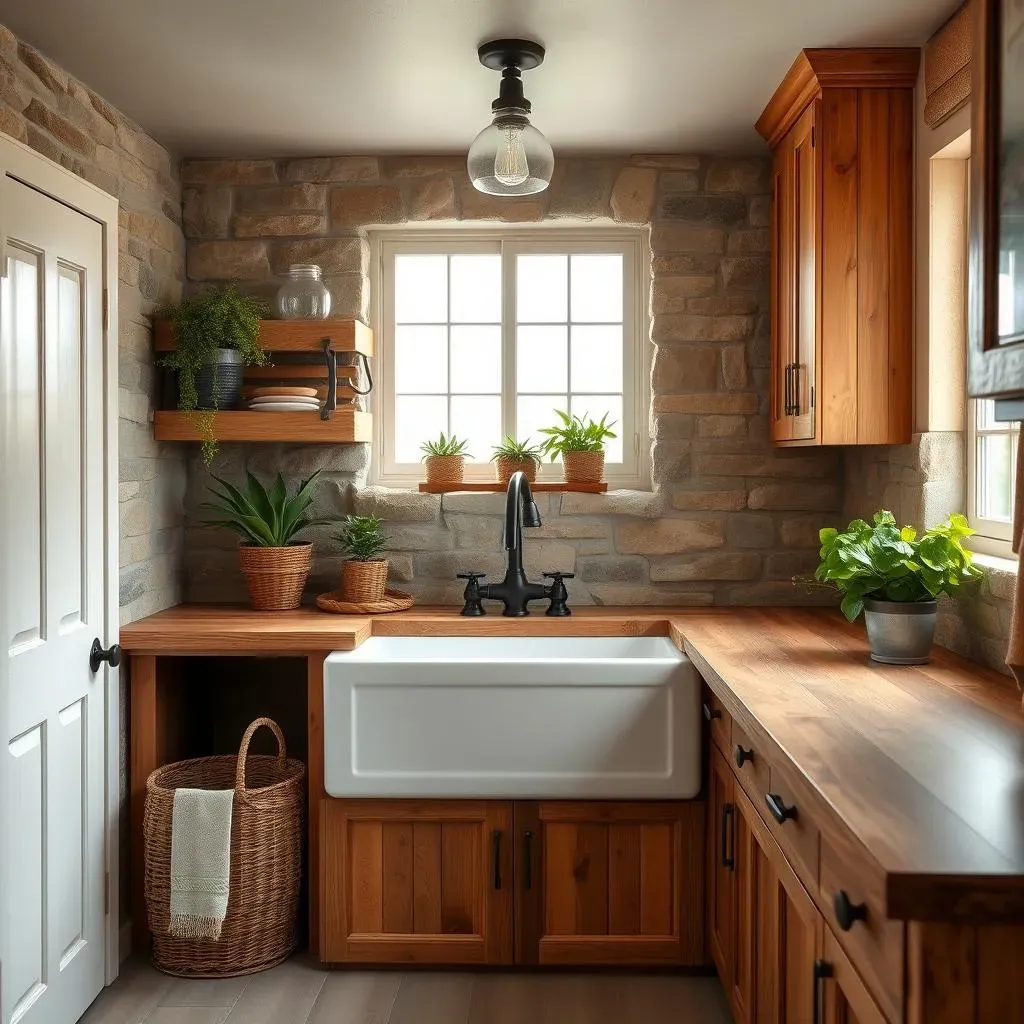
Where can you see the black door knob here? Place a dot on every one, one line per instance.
(780, 812)
(848, 913)
(743, 754)
(112, 655)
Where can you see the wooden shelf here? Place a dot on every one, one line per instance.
(495, 487)
(347, 425)
(346, 333)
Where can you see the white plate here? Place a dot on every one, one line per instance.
(284, 407)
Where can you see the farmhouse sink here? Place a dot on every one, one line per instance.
(512, 717)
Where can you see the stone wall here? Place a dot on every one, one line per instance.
(56, 115)
(921, 483)
(730, 518)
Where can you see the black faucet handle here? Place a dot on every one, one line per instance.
(471, 576)
(558, 594)
(557, 576)
(471, 595)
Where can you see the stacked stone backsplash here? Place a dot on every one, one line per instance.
(921, 483)
(730, 518)
(43, 106)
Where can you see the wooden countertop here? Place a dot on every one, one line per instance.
(923, 764)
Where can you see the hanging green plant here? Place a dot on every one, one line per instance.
(216, 334)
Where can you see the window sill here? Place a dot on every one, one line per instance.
(996, 564)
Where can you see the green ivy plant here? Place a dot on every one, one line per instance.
(268, 518)
(362, 538)
(521, 451)
(575, 434)
(888, 563)
(444, 446)
(217, 317)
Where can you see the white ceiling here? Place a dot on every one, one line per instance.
(293, 77)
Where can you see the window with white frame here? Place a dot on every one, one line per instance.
(486, 334)
(991, 462)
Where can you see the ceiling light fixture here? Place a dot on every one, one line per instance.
(510, 157)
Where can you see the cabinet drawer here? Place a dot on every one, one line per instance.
(749, 765)
(785, 805)
(720, 722)
(851, 896)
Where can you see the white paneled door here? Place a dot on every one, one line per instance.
(52, 743)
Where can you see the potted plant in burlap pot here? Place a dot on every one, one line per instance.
(364, 574)
(895, 578)
(580, 442)
(512, 456)
(274, 564)
(445, 459)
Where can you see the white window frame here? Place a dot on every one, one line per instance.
(993, 536)
(385, 244)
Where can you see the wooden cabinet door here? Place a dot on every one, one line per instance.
(609, 883)
(744, 855)
(806, 195)
(721, 863)
(845, 998)
(783, 248)
(416, 881)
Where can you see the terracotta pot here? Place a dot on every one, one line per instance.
(445, 469)
(363, 582)
(583, 467)
(507, 466)
(275, 576)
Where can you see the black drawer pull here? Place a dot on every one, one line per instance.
(727, 858)
(847, 912)
(496, 843)
(780, 812)
(822, 970)
(528, 859)
(743, 754)
(711, 713)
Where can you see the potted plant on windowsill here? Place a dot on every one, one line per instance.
(512, 456)
(581, 444)
(216, 334)
(895, 578)
(364, 574)
(274, 564)
(445, 459)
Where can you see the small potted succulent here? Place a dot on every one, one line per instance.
(512, 456)
(274, 564)
(580, 442)
(217, 335)
(445, 459)
(895, 578)
(364, 574)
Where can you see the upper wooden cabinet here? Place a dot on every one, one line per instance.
(841, 127)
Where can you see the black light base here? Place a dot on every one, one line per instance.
(502, 53)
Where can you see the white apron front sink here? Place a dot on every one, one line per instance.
(512, 717)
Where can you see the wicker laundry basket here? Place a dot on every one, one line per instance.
(261, 926)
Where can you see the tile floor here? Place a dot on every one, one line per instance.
(299, 992)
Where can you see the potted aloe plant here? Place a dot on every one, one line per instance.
(274, 563)
(512, 456)
(364, 574)
(581, 444)
(445, 459)
(895, 577)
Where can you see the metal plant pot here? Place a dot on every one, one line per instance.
(219, 382)
(900, 632)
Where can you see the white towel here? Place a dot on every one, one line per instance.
(200, 862)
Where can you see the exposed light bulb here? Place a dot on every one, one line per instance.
(510, 164)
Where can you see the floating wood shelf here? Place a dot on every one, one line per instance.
(495, 487)
(347, 425)
(346, 333)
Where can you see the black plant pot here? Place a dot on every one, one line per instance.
(219, 382)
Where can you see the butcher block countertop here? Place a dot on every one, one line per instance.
(922, 765)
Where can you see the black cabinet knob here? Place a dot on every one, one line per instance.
(711, 713)
(780, 812)
(848, 913)
(743, 754)
(97, 654)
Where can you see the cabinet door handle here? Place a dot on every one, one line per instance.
(780, 812)
(786, 402)
(527, 859)
(711, 713)
(496, 848)
(727, 858)
(848, 913)
(796, 388)
(822, 970)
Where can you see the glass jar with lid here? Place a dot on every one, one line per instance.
(303, 295)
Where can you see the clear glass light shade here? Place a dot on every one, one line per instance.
(510, 157)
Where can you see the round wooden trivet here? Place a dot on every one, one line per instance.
(394, 601)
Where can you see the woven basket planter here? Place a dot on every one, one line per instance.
(445, 469)
(364, 582)
(507, 466)
(583, 467)
(275, 576)
(267, 827)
